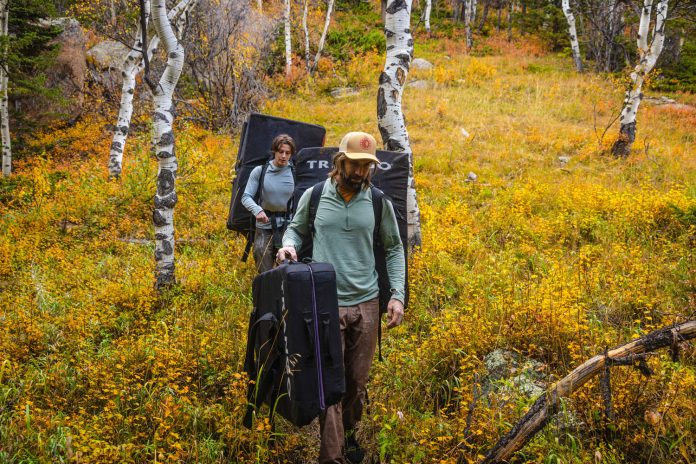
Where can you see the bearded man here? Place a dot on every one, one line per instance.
(343, 236)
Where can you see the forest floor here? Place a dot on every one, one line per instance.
(551, 252)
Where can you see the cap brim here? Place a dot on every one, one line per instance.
(361, 156)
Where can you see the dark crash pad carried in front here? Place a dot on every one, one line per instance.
(255, 149)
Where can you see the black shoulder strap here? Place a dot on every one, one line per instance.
(252, 220)
(257, 196)
(377, 247)
(377, 196)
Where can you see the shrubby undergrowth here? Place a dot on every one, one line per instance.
(552, 259)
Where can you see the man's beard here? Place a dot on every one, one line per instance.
(354, 183)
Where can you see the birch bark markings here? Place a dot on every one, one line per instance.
(390, 117)
(4, 82)
(132, 66)
(574, 45)
(163, 118)
(288, 42)
(648, 54)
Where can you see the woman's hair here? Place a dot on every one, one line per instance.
(339, 169)
(283, 139)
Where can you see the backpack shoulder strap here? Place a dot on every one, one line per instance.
(377, 204)
(257, 196)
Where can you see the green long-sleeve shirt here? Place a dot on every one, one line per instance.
(343, 237)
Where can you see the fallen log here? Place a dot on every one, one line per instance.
(547, 404)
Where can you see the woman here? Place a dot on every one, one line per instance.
(269, 203)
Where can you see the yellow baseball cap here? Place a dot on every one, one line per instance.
(359, 146)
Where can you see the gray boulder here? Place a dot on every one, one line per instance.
(420, 63)
(341, 92)
(107, 55)
(419, 84)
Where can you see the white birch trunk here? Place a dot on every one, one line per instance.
(574, 44)
(469, 9)
(390, 117)
(163, 118)
(426, 15)
(648, 53)
(132, 66)
(4, 82)
(306, 33)
(288, 41)
(322, 39)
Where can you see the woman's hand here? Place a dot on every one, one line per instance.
(261, 217)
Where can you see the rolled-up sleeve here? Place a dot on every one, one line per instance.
(394, 249)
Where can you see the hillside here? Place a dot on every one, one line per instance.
(549, 253)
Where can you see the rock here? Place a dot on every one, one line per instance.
(513, 373)
(471, 177)
(67, 74)
(667, 102)
(564, 160)
(341, 92)
(420, 63)
(419, 84)
(464, 132)
(107, 55)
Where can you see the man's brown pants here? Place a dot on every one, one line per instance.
(359, 338)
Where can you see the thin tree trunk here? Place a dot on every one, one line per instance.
(648, 54)
(322, 39)
(163, 119)
(500, 13)
(575, 46)
(133, 65)
(306, 33)
(511, 7)
(288, 41)
(524, 16)
(390, 117)
(259, 5)
(547, 404)
(4, 82)
(426, 15)
(484, 16)
(468, 23)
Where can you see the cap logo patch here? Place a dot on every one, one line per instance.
(365, 143)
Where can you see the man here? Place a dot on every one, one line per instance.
(343, 236)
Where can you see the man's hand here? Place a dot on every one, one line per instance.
(261, 217)
(395, 313)
(288, 253)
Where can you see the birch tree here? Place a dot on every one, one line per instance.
(163, 119)
(426, 14)
(133, 65)
(288, 41)
(648, 52)
(469, 18)
(574, 45)
(4, 81)
(306, 33)
(390, 117)
(322, 39)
